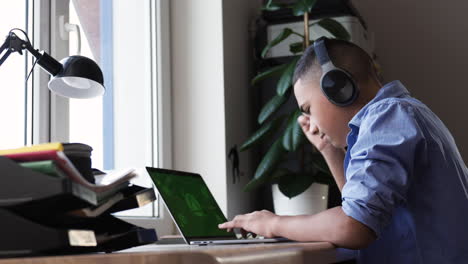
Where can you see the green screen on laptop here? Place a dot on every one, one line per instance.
(190, 202)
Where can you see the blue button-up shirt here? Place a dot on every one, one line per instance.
(406, 180)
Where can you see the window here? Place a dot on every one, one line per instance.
(86, 116)
(14, 95)
(130, 125)
(117, 35)
(127, 127)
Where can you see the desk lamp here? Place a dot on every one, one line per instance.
(73, 77)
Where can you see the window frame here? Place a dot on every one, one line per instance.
(162, 113)
(50, 112)
(41, 99)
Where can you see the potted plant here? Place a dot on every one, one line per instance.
(289, 142)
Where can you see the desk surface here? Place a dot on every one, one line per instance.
(287, 252)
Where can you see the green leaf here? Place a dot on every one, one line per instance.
(285, 82)
(269, 162)
(262, 133)
(282, 36)
(269, 73)
(320, 164)
(296, 47)
(294, 184)
(324, 178)
(270, 6)
(303, 6)
(293, 136)
(278, 174)
(335, 28)
(271, 107)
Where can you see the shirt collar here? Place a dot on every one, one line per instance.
(391, 89)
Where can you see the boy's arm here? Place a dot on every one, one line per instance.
(332, 225)
(335, 159)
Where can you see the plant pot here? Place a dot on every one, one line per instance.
(311, 201)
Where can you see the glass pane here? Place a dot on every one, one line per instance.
(12, 75)
(116, 34)
(86, 119)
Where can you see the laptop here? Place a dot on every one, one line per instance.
(194, 209)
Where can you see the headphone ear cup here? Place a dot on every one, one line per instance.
(339, 87)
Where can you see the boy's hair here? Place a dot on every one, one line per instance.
(343, 54)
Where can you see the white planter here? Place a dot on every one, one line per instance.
(312, 201)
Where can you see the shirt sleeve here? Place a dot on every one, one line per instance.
(381, 164)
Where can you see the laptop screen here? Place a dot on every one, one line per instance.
(190, 202)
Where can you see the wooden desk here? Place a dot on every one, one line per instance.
(287, 252)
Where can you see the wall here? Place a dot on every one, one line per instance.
(210, 92)
(237, 19)
(423, 44)
(198, 92)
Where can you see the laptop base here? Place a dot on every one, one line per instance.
(238, 241)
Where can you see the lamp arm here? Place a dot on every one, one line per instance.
(51, 65)
(5, 46)
(15, 44)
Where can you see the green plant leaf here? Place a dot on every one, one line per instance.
(294, 184)
(278, 174)
(262, 133)
(269, 162)
(271, 107)
(271, 6)
(335, 28)
(282, 36)
(320, 164)
(293, 136)
(277, 70)
(296, 47)
(285, 82)
(303, 6)
(324, 178)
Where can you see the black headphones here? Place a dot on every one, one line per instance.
(336, 83)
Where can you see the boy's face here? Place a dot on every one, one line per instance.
(327, 119)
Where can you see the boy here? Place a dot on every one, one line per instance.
(403, 183)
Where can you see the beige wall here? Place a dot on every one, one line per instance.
(424, 44)
(198, 92)
(210, 93)
(237, 15)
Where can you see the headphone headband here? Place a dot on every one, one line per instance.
(321, 51)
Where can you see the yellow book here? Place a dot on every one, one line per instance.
(34, 148)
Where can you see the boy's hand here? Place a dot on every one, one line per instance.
(333, 156)
(259, 223)
(313, 134)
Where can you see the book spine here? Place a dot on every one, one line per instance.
(40, 147)
(47, 167)
(83, 192)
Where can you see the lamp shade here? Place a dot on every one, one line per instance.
(80, 77)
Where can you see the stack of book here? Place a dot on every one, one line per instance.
(48, 207)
